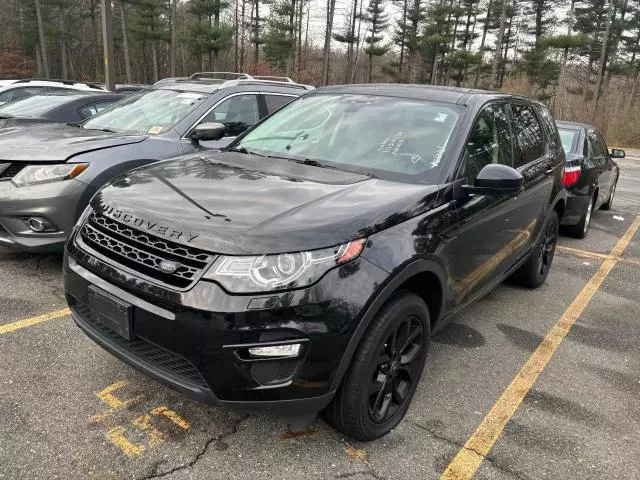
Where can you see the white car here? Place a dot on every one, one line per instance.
(12, 90)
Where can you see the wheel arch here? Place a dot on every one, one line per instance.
(411, 278)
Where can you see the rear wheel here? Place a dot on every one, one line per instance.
(609, 203)
(379, 385)
(534, 271)
(582, 227)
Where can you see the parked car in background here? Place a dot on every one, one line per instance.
(19, 89)
(306, 267)
(59, 107)
(48, 173)
(590, 174)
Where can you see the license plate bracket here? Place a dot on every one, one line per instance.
(112, 312)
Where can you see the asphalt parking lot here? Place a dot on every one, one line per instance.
(69, 410)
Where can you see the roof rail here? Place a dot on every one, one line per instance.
(218, 75)
(59, 80)
(273, 79)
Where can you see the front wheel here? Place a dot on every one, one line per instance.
(385, 370)
(534, 271)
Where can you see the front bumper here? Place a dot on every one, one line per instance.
(59, 202)
(195, 341)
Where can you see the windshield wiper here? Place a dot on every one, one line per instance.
(101, 130)
(246, 152)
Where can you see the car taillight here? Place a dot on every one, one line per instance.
(571, 176)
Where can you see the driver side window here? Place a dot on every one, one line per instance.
(237, 113)
(490, 141)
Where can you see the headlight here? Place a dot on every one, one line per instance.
(36, 174)
(286, 270)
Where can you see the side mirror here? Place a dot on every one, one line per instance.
(208, 131)
(495, 179)
(617, 153)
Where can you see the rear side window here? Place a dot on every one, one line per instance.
(551, 128)
(598, 147)
(276, 102)
(529, 136)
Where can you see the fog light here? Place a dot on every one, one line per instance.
(289, 350)
(38, 224)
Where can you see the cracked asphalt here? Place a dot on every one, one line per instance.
(69, 410)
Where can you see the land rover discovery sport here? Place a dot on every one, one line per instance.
(305, 268)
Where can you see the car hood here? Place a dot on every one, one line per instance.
(57, 142)
(240, 204)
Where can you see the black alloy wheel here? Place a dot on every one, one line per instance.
(534, 271)
(396, 369)
(385, 370)
(548, 248)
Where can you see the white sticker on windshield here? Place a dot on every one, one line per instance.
(155, 130)
(441, 117)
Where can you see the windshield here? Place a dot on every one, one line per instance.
(383, 136)
(568, 139)
(33, 106)
(146, 112)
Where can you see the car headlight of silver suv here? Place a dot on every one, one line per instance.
(37, 174)
(282, 271)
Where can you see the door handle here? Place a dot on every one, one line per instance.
(550, 171)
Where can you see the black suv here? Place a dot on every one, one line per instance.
(305, 268)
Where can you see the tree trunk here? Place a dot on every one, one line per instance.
(498, 50)
(299, 49)
(236, 26)
(173, 46)
(350, 45)
(216, 51)
(485, 27)
(97, 55)
(125, 41)
(356, 50)
(331, 9)
(292, 38)
(38, 60)
(63, 46)
(256, 33)
(603, 57)
(43, 45)
(154, 54)
(405, 6)
(242, 37)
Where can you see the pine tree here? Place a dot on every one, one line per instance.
(379, 22)
(208, 36)
(150, 26)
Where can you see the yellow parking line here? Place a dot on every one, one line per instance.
(596, 256)
(27, 322)
(470, 457)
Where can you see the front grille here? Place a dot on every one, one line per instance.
(143, 252)
(12, 171)
(157, 358)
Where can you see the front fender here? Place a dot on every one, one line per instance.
(379, 299)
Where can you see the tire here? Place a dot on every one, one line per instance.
(609, 203)
(379, 385)
(534, 271)
(581, 229)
